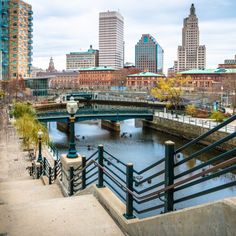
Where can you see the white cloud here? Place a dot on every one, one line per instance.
(63, 26)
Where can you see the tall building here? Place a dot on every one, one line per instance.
(79, 60)
(149, 55)
(191, 55)
(16, 39)
(111, 39)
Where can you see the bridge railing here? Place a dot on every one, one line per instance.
(94, 112)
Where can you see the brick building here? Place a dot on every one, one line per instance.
(62, 80)
(208, 79)
(143, 80)
(96, 77)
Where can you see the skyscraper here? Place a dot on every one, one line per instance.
(111, 39)
(191, 55)
(149, 54)
(16, 39)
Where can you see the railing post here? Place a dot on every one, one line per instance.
(50, 175)
(83, 185)
(129, 197)
(37, 169)
(41, 169)
(44, 166)
(100, 162)
(55, 170)
(169, 175)
(71, 181)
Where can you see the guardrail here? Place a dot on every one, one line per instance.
(159, 188)
(154, 189)
(195, 121)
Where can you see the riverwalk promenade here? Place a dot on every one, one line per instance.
(28, 207)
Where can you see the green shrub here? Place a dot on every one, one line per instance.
(217, 116)
(191, 110)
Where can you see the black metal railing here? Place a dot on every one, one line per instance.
(44, 168)
(156, 187)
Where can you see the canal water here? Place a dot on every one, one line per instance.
(142, 147)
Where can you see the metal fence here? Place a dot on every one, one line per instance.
(205, 123)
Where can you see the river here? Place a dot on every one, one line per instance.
(142, 147)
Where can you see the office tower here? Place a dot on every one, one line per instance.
(111, 39)
(149, 55)
(191, 55)
(16, 39)
(78, 60)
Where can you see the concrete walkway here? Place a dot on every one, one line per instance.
(27, 207)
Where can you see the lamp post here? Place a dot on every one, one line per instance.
(72, 108)
(40, 135)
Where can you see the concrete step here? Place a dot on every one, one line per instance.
(29, 193)
(82, 215)
(20, 184)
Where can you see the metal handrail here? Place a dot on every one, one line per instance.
(150, 167)
(205, 149)
(167, 188)
(202, 136)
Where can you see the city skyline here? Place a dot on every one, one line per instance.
(56, 31)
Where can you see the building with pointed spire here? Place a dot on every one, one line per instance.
(191, 55)
(51, 67)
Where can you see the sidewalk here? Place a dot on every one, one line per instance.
(13, 160)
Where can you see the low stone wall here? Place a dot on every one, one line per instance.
(188, 131)
(213, 219)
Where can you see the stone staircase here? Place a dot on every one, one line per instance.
(27, 207)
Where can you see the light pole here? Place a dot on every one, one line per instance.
(72, 108)
(40, 135)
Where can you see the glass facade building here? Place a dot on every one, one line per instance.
(149, 55)
(39, 85)
(16, 39)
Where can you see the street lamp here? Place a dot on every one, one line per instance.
(40, 135)
(72, 108)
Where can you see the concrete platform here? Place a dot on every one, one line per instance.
(82, 216)
(25, 194)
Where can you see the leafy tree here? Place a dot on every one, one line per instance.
(21, 108)
(217, 116)
(170, 89)
(28, 126)
(191, 110)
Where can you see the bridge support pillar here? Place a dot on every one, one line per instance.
(63, 127)
(70, 167)
(110, 125)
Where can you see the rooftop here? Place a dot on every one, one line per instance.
(208, 71)
(99, 68)
(146, 74)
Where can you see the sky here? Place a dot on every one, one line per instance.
(61, 27)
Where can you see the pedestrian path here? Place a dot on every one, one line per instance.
(28, 207)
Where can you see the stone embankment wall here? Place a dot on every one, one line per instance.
(110, 125)
(63, 127)
(188, 131)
